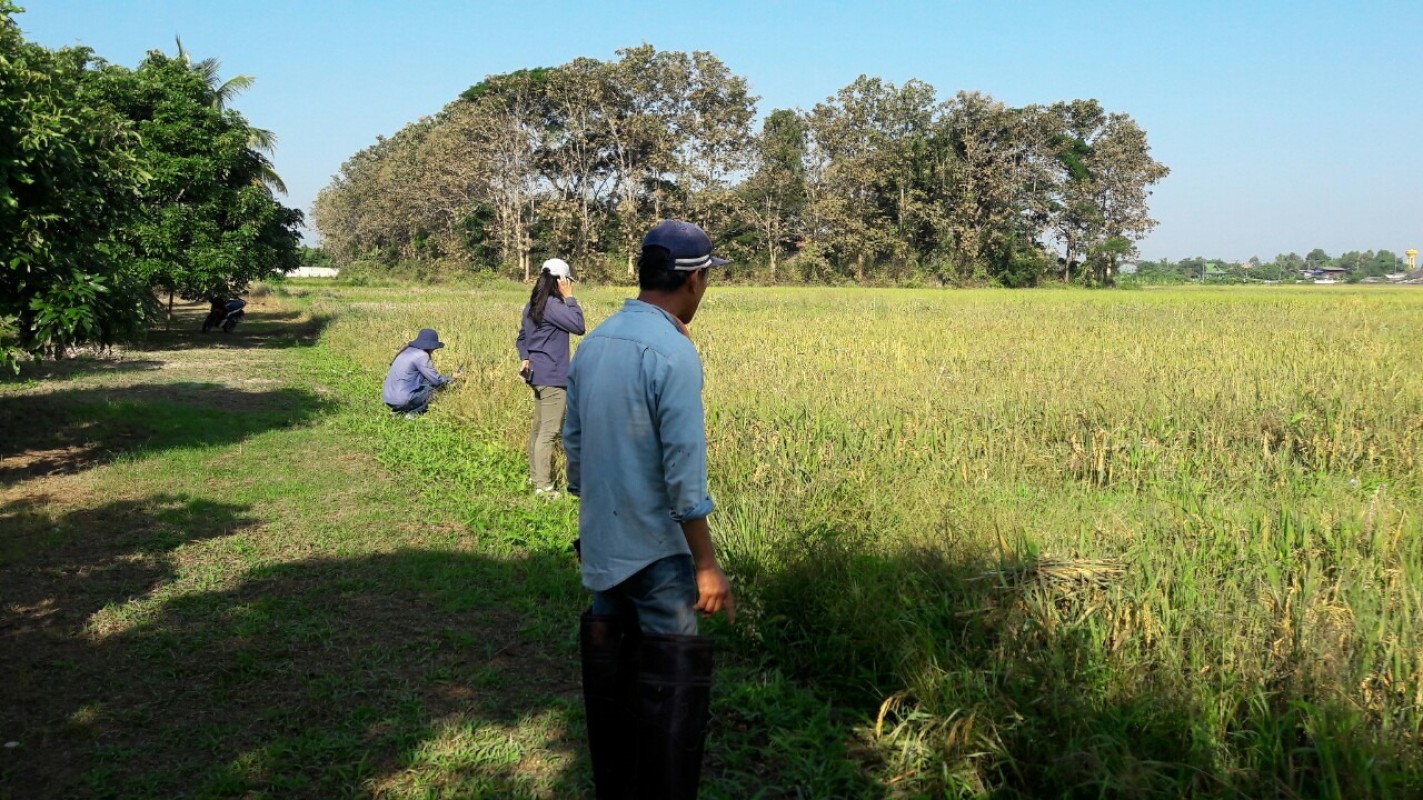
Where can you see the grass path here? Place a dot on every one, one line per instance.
(211, 587)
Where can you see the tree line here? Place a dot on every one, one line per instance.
(879, 183)
(1357, 265)
(121, 186)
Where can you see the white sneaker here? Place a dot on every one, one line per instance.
(547, 492)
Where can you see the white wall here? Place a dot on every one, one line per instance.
(314, 272)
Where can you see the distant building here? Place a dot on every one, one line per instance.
(314, 272)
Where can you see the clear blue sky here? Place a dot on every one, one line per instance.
(1287, 125)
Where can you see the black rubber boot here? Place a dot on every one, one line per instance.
(673, 697)
(609, 648)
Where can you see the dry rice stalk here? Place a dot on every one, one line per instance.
(1059, 572)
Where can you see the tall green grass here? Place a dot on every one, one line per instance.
(1051, 543)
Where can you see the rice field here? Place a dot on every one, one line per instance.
(1066, 543)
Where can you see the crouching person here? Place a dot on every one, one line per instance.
(412, 380)
(635, 436)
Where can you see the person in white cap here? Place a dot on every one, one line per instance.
(551, 315)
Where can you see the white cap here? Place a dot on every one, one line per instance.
(558, 268)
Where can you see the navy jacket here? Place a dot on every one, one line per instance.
(546, 345)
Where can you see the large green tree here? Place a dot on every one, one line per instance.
(773, 197)
(209, 223)
(991, 174)
(1105, 177)
(69, 179)
(864, 201)
(576, 160)
(115, 182)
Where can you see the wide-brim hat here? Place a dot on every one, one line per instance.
(427, 340)
(690, 246)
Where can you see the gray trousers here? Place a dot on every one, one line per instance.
(549, 403)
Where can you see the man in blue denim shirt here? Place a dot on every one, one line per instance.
(635, 436)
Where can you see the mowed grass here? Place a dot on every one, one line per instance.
(1044, 543)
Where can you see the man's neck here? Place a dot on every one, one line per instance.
(666, 301)
(670, 303)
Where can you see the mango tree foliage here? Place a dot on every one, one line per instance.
(116, 182)
(208, 223)
(69, 177)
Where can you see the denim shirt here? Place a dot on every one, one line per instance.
(407, 372)
(635, 436)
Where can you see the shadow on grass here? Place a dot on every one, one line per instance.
(259, 328)
(68, 431)
(401, 672)
(999, 683)
(56, 572)
(83, 366)
(413, 673)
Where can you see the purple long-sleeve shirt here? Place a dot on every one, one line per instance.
(545, 346)
(408, 371)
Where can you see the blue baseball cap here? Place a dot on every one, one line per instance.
(689, 245)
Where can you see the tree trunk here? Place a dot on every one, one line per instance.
(168, 326)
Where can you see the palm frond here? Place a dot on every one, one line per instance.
(261, 140)
(270, 179)
(230, 89)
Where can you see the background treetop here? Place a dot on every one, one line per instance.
(876, 183)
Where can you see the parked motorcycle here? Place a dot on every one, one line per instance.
(224, 314)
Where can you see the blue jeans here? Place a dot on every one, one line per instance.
(419, 401)
(661, 596)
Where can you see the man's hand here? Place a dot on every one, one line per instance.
(713, 589)
(714, 593)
